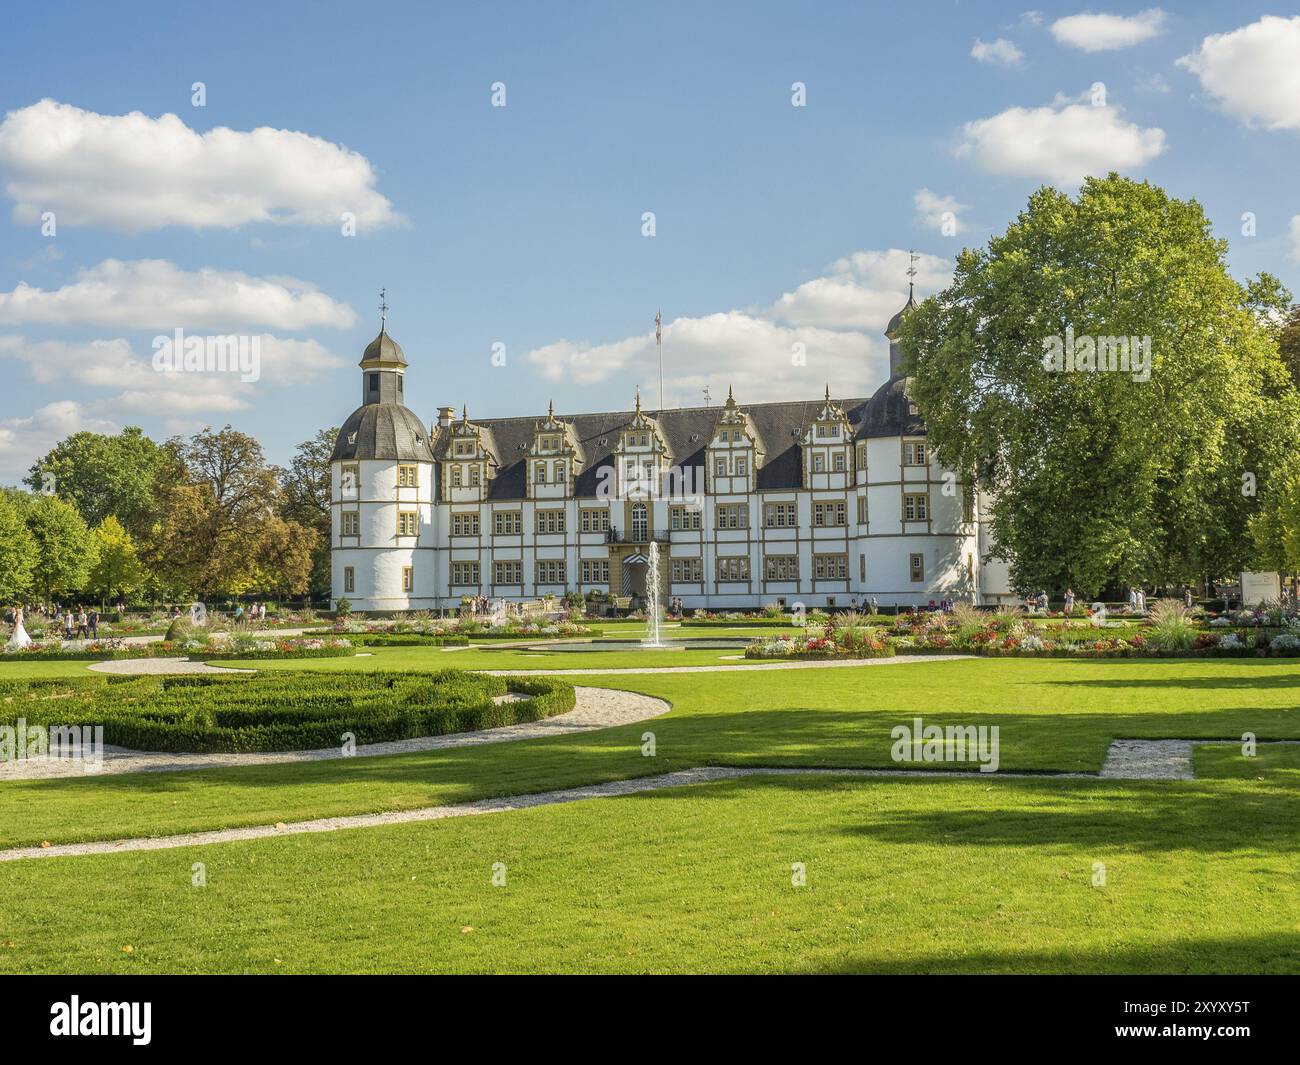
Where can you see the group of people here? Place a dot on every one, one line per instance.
(256, 612)
(75, 623)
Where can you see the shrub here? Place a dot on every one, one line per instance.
(1171, 628)
(281, 711)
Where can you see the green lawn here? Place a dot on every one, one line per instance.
(942, 875)
(1053, 715)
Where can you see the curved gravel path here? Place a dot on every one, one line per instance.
(596, 708)
(159, 666)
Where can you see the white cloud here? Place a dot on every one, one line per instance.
(24, 440)
(1063, 142)
(838, 319)
(937, 212)
(1091, 32)
(1295, 237)
(999, 53)
(157, 294)
(1253, 73)
(1031, 18)
(134, 173)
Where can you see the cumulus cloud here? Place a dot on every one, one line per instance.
(24, 440)
(939, 213)
(828, 329)
(1253, 73)
(135, 173)
(157, 294)
(1091, 32)
(998, 53)
(1063, 142)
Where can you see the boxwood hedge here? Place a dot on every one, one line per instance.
(281, 711)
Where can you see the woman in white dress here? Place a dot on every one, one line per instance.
(19, 639)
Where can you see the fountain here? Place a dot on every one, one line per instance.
(498, 613)
(652, 599)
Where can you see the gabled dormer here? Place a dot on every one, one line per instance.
(554, 460)
(827, 447)
(468, 464)
(734, 452)
(642, 456)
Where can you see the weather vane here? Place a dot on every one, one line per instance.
(707, 397)
(911, 270)
(383, 307)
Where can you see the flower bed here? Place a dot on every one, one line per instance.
(251, 647)
(280, 711)
(823, 646)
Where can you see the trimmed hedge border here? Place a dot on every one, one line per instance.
(281, 711)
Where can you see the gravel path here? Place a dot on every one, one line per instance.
(703, 775)
(595, 708)
(159, 666)
(1161, 759)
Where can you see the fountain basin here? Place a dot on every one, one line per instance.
(715, 643)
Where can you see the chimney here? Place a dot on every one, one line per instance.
(445, 415)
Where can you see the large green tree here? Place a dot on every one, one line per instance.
(102, 475)
(1101, 478)
(65, 551)
(17, 551)
(117, 571)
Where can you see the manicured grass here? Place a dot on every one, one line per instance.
(1052, 715)
(936, 875)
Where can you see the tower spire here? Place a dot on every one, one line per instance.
(913, 258)
(383, 309)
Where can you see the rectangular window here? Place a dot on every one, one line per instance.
(595, 571)
(862, 510)
(507, 523)
(594, 520)
(862, 567)
(407, 523)
(833, 513)
(733, 516)
(742, 467)
(914, 453)
(455, 476)
(819, 463)
(781, 567)
(862, 457)
(350, 523)
(733, 569)
(473, 476)
(349, 579)
(916, 507)
(550, 521)
(683, 519)
(408, 579)
(720, 466)
(780, 515)
(539, 473)
(508, 572)
(464, 524)
(967, 505)
(408, 476)
(839, 462)
(464, 574)
(916, 567)
(687, 570)
(559, 473)
(350, 481)
(831, 567)
(550, 571)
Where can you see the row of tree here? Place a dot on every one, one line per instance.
(121, 516)
(1101, 478)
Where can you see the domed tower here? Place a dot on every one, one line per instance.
(920, 517)
(382, 492)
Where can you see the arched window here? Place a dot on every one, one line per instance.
(640, 523)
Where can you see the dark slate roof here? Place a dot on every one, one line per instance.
(383, 431)
(384, 349)
(688, 432)
(897, 320)
(887, 413)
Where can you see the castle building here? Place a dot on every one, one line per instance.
(821, 502)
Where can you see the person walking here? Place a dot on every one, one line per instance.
(67, 625)
(93, 620)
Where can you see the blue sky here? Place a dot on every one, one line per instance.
(521, 225)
